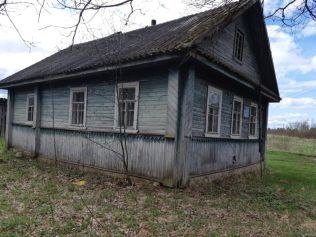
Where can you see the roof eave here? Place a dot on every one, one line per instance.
(238, 78)
(129, 64)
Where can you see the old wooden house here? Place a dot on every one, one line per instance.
(192, 95)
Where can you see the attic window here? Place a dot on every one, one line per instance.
(239, 45)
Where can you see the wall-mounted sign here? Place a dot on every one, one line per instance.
(246, 112)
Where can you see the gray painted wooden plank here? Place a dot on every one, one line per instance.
(9, 119)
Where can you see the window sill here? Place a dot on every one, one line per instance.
(130, 131)
(253, 137)
(212, 135)
(235, 136)
(77, 127)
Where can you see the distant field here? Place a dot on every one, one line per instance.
(41, 200)
(292, 144)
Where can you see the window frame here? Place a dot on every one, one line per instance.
(135, 85)
(220, 92)
(256, 125)
(72, 91)
(27, 107)
(239, 99)
(242, 34)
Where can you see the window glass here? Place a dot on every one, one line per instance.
(30, 108)
(126, 109)
(214, 100)
(239, 45)
(236, 126)
(78, 108)
(253, 121)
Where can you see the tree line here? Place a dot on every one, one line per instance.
(302, 129)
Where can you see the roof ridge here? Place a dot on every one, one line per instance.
(154, 26)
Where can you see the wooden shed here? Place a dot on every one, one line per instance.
(192, 95)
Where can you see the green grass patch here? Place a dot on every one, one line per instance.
(41, 200)
(294, 145)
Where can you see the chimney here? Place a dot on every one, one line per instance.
(153, 22)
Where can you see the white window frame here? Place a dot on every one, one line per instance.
(239, 99)
(73, 90)
(116, 110)
(218, 133)
(27, 107)
(240, 32)
(256, 127)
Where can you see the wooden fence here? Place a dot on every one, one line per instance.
(3, 113)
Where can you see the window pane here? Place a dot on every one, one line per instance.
(30, 114)
(31, 101)
(30, 108)
(126, 106)
(214, 99)
(78, 97)
(237, 106)
(236, 126)
(253, 121)
(239, 45)
(127, 94)
(78, 108)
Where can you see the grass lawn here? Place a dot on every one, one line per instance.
(40, 200)
(292, 144)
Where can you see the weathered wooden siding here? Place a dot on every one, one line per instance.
(100, 105)
(19, 105)
(23, 137)
(150, 156)
(153, 103)
(152, 109)
(199, 111)
(221, 46)
(216, 155)
(57, 98)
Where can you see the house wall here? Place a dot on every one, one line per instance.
(224, 152)
(19, 105)
(152, 106)
(200, 104)
(151, 153)
(221, 47)
(97, 145)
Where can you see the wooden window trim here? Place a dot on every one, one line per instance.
(116, 110)
(256, 126)
(27, 107)
(73, 90)
(239, 99)
(220, 92)
(236, 47)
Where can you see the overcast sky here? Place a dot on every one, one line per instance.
(294, 54)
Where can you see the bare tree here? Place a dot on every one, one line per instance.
(78, 8)
(289, 13)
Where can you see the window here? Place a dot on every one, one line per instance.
(126, 108)
(253, 120)
(239, 45)
(78, 106)
(213, 117)
(30, 108)
(237, 117)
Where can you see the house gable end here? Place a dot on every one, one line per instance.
(220, 48)
(257, 64)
